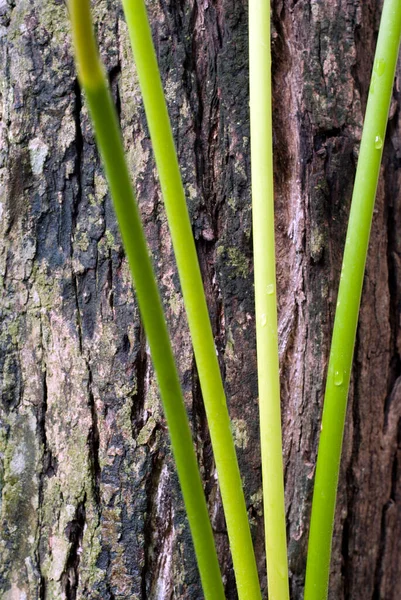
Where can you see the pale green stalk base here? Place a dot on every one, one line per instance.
(342, 347)
(195, 303)
(110, 144)
(265, 298)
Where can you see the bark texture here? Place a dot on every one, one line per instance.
(90, 504)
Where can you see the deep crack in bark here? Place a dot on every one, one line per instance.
(93, 443)
(74, 533)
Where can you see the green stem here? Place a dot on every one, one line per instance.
(109, 140)
(194, 299)
(265, 297)
(342, 347)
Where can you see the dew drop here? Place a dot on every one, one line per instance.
(338, 378)
(270, 289)
(263, 320)
(378, 142)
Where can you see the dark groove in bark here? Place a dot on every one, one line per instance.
(139, 398)
(150, 527)
(110, 592)
(42, 588)
(45, 467)
(395, 465)
(79, 145)
(42, 425)
(110, 281)
(78, 312)
(94, 443)
(74, 533)
(113, 79)
(201, 431)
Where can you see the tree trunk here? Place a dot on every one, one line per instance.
(90, 503)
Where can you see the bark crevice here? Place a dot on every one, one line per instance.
(74, 533)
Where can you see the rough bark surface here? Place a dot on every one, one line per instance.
(90, 504)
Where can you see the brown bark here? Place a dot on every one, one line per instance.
(90, 504)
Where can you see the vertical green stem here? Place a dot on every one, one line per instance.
(195, 302)
(265, 297)
(342, 346)
(108, 137)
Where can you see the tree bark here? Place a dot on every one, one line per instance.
(90, 503)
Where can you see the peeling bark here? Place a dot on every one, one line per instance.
(90, 502)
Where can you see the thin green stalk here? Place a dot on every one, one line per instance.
(194, 299)
(342, 346)
(109, 140)
(265, 297)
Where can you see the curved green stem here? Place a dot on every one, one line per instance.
(346, 319)
(110, 145)
(195, 302)
(265, 297)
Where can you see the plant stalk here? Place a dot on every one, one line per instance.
(195, 303)
(349, 295)
(108, 136)
(265, 297)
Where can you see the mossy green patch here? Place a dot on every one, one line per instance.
(239, 262)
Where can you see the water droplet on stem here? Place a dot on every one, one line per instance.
(338, 378)
(378, 142)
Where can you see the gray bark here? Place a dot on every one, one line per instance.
(90, 504)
